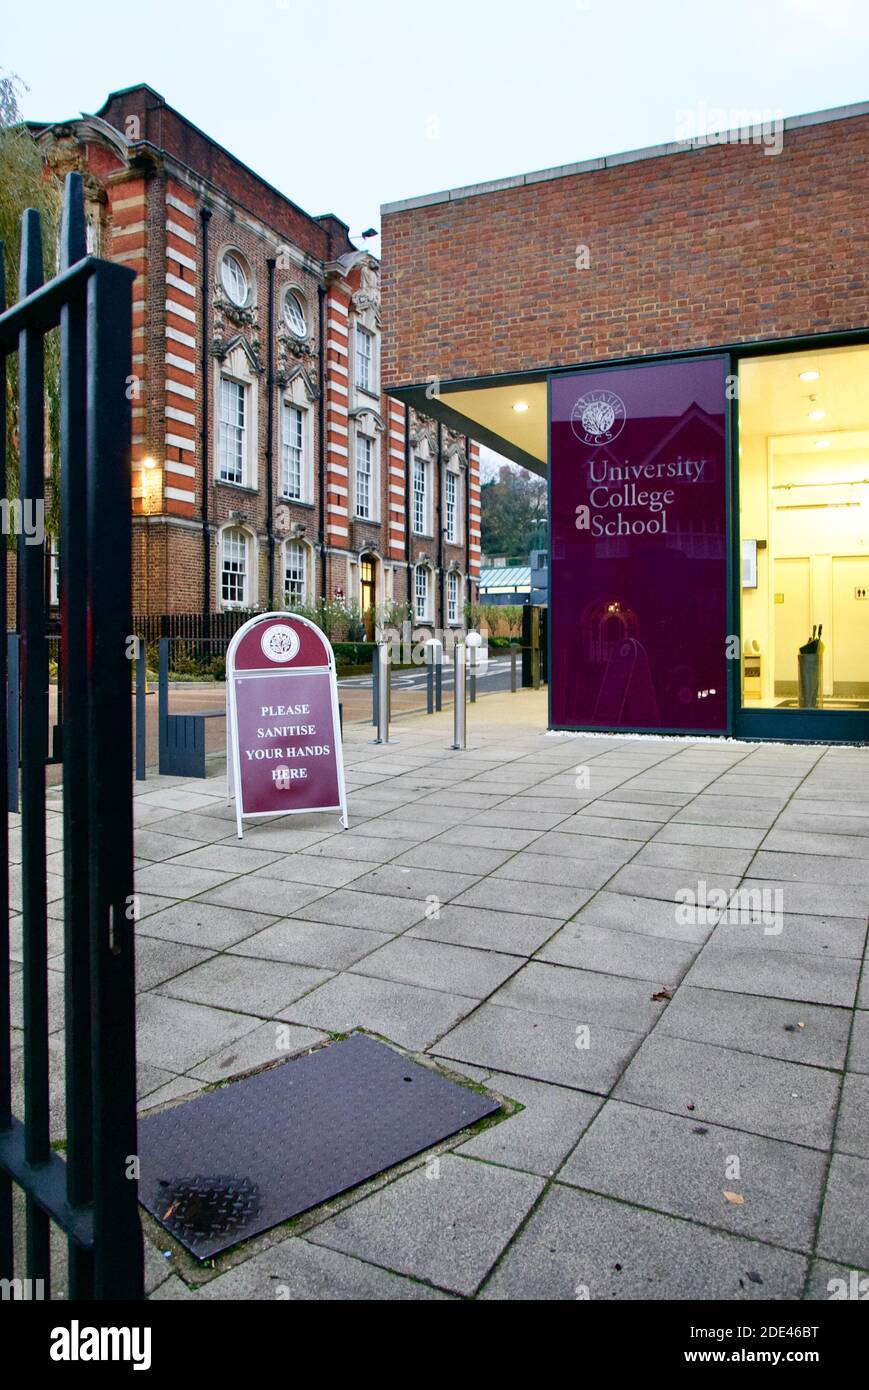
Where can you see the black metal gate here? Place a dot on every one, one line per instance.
(91, 1193)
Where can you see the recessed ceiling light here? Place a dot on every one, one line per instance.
(809, 376)
(822, 443)
(817, 414)
(521, 407)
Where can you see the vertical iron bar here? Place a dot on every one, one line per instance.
(6, 1251)
(117, 1230)
(375, 687)
(513, 670)
(439, 685)
(34, 748)
(429, 689)
(162, 700)
(141, 710)
(73, 689)
(13, 717)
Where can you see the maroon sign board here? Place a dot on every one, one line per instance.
(283, 731)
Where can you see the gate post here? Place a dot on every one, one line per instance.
(118, 1257)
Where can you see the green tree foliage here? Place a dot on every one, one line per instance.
(24, 184)
(514, 513)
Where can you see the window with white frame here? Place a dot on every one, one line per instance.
(234, 567)
(452, 597)
(235, 280)
(420, 495)
(420, 591)
(295, 573)
(364, 475)
(292, 451)
(451, 506)
(231, 443)
(294, 314)
(364, 359)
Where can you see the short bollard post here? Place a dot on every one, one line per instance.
(474, 641)
(375, 688)
(512, 670)
(382, 669)
(434, 654)
(460, 722)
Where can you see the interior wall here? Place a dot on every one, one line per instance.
(808, 509)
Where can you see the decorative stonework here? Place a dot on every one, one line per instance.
(296, 355)
(367, 297)
(243, 316)
(223, 344)
(423, 430)
(370, 420)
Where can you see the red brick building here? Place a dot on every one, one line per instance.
(678, 338)
(268, 466)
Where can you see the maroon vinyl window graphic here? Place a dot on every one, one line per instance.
(638, 602)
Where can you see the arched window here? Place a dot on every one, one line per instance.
(295, 573)
(235, 578)
(454, 598)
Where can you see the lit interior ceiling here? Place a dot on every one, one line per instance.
(775, 400)
(492, 407)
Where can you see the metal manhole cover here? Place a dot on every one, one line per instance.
(290, 1138)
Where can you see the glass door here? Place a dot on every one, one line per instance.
(804, 544)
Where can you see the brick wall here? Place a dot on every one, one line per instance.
(720, 244)
(166, 201)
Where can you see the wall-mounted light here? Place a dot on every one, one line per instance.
(149, 462)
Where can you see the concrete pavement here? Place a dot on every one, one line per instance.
(534, 914)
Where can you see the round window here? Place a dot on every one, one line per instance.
(294, 313)
(235, 280)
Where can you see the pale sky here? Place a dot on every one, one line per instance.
(425, 96)
(345, 105)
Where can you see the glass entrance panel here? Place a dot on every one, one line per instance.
(804, 530)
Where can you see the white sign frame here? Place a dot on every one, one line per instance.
(234, 783)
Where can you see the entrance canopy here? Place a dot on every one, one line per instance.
(509, 417)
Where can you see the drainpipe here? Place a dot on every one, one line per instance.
(205, 218)
(321, 301)
(270, 428)
(439, 612)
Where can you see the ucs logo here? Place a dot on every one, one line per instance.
(598, 417)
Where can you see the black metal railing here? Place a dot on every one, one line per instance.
(91, 1193)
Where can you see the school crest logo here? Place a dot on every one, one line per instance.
(280, 642)
(598, 418)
